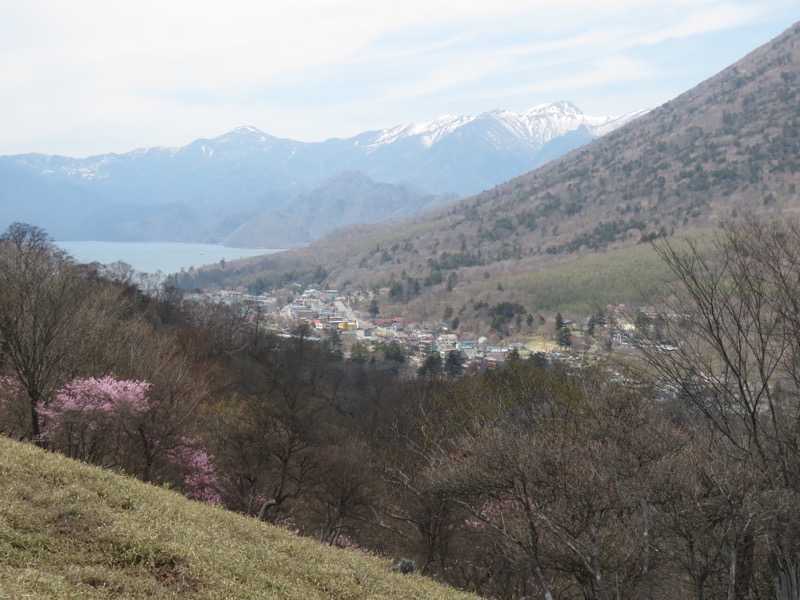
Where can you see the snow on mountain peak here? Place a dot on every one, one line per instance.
(504, 129)
(428, 133)
(562, 107)
(533, 128)
(247, 130)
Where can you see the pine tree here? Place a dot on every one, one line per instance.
(564, 337)
(374, 309)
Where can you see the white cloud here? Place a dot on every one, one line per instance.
(154, 72)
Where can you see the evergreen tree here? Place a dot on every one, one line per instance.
(359, 353)
(454, 363)
(374, 309)
(432, 367)
(564, 337)
(393, 351)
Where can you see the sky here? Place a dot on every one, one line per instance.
(87, 77)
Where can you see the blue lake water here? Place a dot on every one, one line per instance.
(149, 257)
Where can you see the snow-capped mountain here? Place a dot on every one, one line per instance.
(533, 128)
(211, 187)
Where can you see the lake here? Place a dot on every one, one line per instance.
(149, 257)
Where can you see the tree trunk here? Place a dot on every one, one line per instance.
(732, 572)
(744, 566)
(262, 514)
(35, 427)
(534, 554)
(645, 592)
(548, 595)
(698, 589)
(698, 579)
(784, 575)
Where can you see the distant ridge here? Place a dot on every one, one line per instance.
(211, 189)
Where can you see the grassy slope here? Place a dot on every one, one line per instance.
(68, 530)
(631, 275)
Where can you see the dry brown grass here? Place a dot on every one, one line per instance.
(68, 530)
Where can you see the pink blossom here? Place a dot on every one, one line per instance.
(10, 390)
(200, 478)
(91, 402)
(106, 394)
(286, 521)
(9, 387)
(474, 524)
(345, 542)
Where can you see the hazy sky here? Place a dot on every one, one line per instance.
(92, 76)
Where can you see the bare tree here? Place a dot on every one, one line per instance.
(567, 490)
(708, 510)
(271, 436)
(732, 330)
(342, 497)
(55, 317)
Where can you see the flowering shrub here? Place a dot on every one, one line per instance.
(94, 399)
(9, 388)
(287, 521)
(119, 424)
(86, 419)
(200, 478)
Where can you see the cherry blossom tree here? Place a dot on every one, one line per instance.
(89, 419)
(111, 422)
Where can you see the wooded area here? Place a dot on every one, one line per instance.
(535, 479)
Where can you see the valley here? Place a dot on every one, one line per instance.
(580, 380)
(718, 151)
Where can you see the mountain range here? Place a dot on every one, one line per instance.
(247, 188)
(729, 145)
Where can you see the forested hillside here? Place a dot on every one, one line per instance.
(670, 470)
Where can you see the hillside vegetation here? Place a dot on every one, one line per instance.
(68, 530)
(658, 468)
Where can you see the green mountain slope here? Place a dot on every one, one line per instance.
(68, 530)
